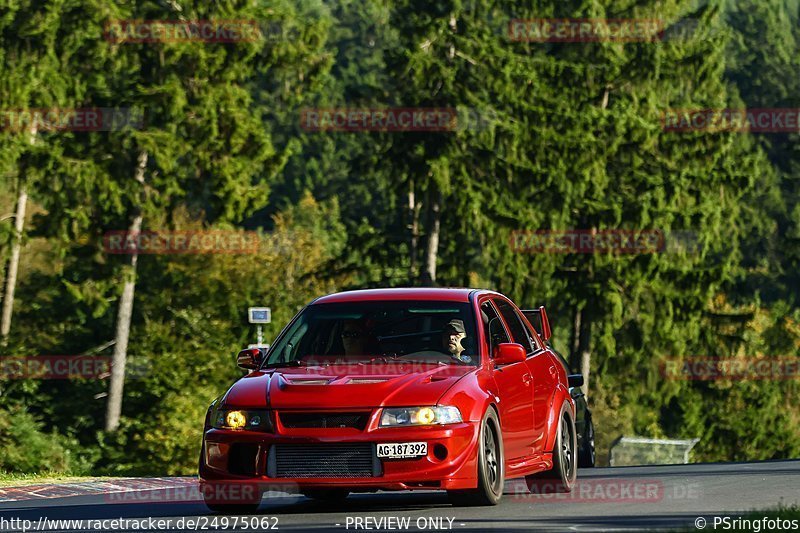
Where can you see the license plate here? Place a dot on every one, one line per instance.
(401, 450)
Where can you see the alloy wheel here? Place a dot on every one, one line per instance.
(490, 453)
(566, 447)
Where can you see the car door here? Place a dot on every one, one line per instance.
(539, 366)
(514, 388)
(542, 365)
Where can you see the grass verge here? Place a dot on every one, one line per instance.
(10, 479)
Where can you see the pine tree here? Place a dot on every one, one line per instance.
(764, 57)
(30, 81)
(353, 167)
(578, 143)
(204, 144)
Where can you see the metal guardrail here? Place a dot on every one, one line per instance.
(630, 451)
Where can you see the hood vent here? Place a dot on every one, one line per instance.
(309, 381)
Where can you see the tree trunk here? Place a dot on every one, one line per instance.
(581, 349)
(586, 357)
(431, 254)
(117, 382)
(581, 354)
(2, 282)
(413, 212)
(13, 261)
(575, 340)
(16, 248)
(582, 329)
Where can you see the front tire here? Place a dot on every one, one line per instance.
(491, 467)
(217, 498)
(561, 477)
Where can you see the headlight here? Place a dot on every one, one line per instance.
(245, 419)
(420, 416)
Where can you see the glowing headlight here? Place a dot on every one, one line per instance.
(243, 419)
(235, 419)
(420, 416)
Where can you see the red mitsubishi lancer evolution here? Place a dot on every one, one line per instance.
(394, 389)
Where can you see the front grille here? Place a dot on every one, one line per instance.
(346, 460)
(324, 420)
(242, 459)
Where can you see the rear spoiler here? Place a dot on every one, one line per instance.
(539, 321)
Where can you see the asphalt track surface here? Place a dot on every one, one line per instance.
(606, 499)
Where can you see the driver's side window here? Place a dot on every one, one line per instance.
(493, 327)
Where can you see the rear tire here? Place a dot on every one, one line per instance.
(328, 495)
(491, 467)
(561, 477)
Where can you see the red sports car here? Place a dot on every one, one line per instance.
(394, 389)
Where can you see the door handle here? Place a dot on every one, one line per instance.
(526, 379)
(553, 371)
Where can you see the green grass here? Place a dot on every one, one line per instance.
(11, 479)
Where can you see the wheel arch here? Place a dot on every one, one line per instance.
(560, 397)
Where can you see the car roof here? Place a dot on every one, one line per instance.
(408, 293)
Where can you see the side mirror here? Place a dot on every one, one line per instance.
(249, 359)
(575, 380)
(507, 353)
(545, 324)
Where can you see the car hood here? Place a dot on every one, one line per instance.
(346, 386)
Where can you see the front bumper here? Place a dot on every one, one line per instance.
(244, 457)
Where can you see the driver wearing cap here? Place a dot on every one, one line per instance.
(452, 335)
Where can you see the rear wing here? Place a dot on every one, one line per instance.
(539, 321)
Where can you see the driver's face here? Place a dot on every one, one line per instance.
(452, 341)
(354, 340)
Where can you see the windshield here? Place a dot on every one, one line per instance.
(366, 332)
